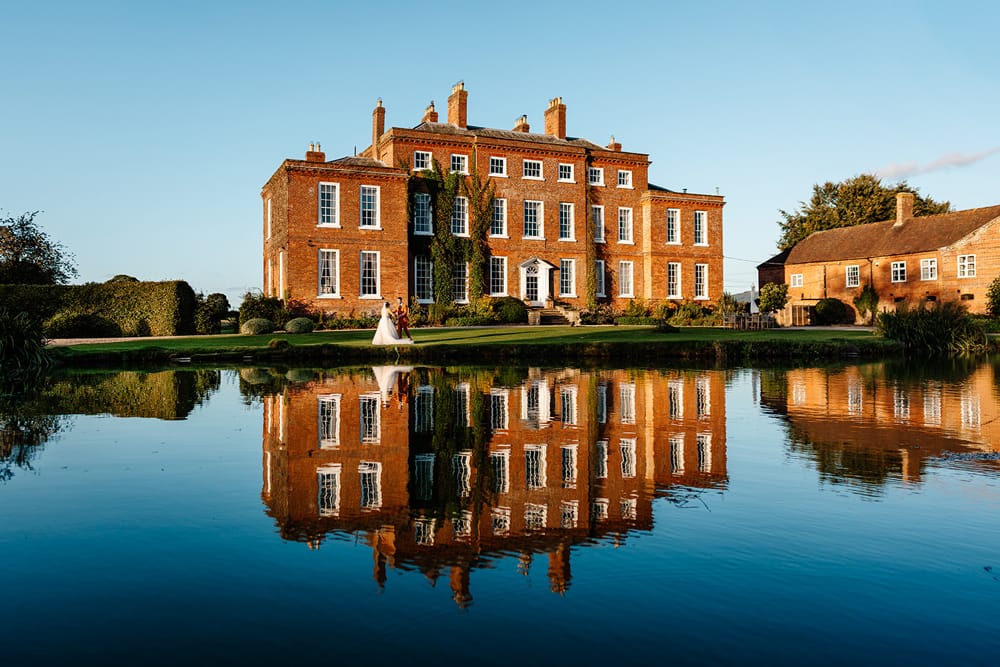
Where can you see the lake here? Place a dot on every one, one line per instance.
(511, 516)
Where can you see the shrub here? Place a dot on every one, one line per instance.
(21, 343)
(637, 308)
(603, 314)
(72, 324)
(637, 320)
(510, 310)
(943, 329)
(773, 297)
(688, 313)
(300, 325)
(993, 298)
(210, 312)
(830, 311)
(257, 326)
(257, 306)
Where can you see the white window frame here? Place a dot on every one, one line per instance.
(563, 166)
(568, 457)
(540, 222)
(328, 489)
(423, 215)
(460, 215)
(701, 228)
(424, 157)
(897, 272)
(499, 410)
(328, 414)
(370, 418)
(597, 220)
(852, 275)
(462, 161)
(534, 467)
(622, 283)
(928, 268)
(423, 296)
(332, 216)
(595, 175)
(334, 291)
(370, 483)
(498, 267)
(600, 272)
(795, 280)
(378, 275)
(501, 166)
(625, 224)
(966, 266)
(701, 282)
(376, 213)
(625, 178)
(499, 204)
(626, 402)
(627, 447)
(462, 297)
(529, 165)
(569, 264)
(674, 293)
(566, 215)
(673, 226)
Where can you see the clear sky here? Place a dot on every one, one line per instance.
(145, 130)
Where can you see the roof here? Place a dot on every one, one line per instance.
(777, 260)
(880, 239)
(511, 135)
(358, 162)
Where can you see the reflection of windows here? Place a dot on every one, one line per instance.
(328, 502)
(500, 467)
(900, 404)
(462, 523)
(423, 409)
(569, 514)
(704, 452)
(970, 409)
(627, 405)
(462, 415)
(370, 473)
(568, 466)
(932, 403)
(677, 454)
(602, 403)
(703, 397)
(600, 509)
(423, 531)
(423, 475)
(535, 516)
(370, 418)
(675, 399)
(799, 393)
(855, 400)
(567, 398)
(499, 409)
(629, 508)
(534, 466)
(329, 421)
(628, 457)
(501, 520)
(535, 402)
(462, 469)
(601, 459)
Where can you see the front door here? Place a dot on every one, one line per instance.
(534, 280)
(531, 288)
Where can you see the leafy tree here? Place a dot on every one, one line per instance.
(855, 201)
(993, 298)
(29, 257)
(773, 297)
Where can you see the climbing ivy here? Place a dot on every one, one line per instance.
(480, 194)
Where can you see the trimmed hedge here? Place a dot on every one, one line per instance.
(257, 326)
(300, 325)
(136, 308)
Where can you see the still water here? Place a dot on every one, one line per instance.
(503, 516)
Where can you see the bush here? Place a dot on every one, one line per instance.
(637, 308)
(21, 343)
(300, 325)
(830, 311)
(257, 306)
(993, 298)
(773, 297)
(257, 326)
(943, 329)
(603, 314)
(70, 324)
(637, 320)
(510, 310)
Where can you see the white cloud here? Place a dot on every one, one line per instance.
(908, 169)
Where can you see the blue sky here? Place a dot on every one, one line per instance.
(144, 131)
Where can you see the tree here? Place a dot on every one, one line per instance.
(856, 201)
(993, 298)
(773, 297)
(29, 257)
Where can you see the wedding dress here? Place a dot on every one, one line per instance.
(386, 333)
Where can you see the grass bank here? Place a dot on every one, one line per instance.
(555, 345)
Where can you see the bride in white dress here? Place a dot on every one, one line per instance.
(386, 333)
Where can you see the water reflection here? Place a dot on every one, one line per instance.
(445, 471)
(862, 426)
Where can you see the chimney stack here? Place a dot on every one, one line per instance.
(555, 118)
(378, 127)
(614, 145)
(315, 153)
(521, 124)
(430, 115)
(458, 105)
(904, 207)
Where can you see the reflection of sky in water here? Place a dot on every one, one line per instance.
(147, 540)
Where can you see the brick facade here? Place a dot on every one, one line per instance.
(634, 249)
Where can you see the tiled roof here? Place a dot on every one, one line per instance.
(880, 239)
(512, 135)
(358, 162)
(777, 260)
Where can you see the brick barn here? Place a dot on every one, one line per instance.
(347, 234)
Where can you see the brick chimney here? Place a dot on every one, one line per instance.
(315, 153)
(430, 115)
(904, 207)
(521, 124)
(555, 118)
(378, 126)
(614, 145)
(458, 105)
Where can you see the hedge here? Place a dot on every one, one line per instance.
(137, 308)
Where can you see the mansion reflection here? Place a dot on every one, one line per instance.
(865, 425)
(445, 472)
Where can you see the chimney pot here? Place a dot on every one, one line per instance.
(430, 114)
(521, 124)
